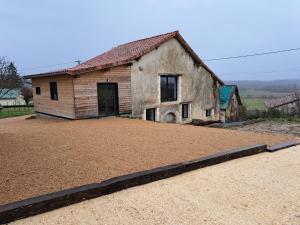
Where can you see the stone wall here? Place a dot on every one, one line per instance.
(196, 86)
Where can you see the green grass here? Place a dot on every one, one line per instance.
(254, 103)
(17, 111)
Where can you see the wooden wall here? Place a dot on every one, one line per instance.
(85, 90)
(64, 106)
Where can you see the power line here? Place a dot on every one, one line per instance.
(261, 72)
(207, 60)
(253, 54)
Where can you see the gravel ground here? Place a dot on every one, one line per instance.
(260, 189)
(45, 155)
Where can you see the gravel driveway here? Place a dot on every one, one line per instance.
(42, 155)
(260, 189)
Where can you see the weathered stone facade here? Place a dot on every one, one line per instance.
(232, 112)
(196, 86)
(292, 108)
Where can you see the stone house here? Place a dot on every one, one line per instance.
(288, 105)
(158, 78)
(230, 103)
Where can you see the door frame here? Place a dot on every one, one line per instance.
(117, 107)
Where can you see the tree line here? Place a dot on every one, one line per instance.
(11, 80)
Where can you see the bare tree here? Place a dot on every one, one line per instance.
(26, 92)
(297, 96)
(9, 77)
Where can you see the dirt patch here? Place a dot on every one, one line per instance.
(272, 127)
(46, 155)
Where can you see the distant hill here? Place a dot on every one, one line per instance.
(266, 89)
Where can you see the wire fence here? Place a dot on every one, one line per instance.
(11, 109)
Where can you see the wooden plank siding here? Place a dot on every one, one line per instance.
(64, 106)
(77, 97)
(85, 90)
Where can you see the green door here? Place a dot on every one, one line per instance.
(108, 104)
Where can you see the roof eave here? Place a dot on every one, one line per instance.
(45, 74)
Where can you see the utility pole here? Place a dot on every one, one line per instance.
(78, 62)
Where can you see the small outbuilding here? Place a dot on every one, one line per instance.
(288, 105)
(230, 103)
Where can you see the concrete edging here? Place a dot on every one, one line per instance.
(44, 203)
(282, 145)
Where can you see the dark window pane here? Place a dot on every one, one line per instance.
(150, 114)
(168, 88)
(208, 112)
(163, 88)
(53, 91)
(38, 90)
(172, 88)
(185, 111)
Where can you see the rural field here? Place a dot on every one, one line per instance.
(254, 103)
(254, 93)
(45, 155)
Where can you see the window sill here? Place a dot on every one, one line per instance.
(170, 102)
(186, 120)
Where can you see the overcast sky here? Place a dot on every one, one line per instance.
(39, 33)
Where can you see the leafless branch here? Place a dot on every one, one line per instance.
(9, 77)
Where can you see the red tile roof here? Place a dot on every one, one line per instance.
(276, 102)
(127, 53)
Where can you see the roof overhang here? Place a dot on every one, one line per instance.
(54, 73)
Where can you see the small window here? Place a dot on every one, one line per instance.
(185, 111)
(168, 88)
(208, 112)
(53, 91)
(150, 114)
(37, 90)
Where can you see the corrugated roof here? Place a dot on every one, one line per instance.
(276, 102)
(127, 53)
(225, 93)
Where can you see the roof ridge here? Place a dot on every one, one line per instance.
(142, 39)
(229, 85)
(91, 59)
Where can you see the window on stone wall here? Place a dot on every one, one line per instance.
(37, 90)
(208, 112)
(168, 88)
(53, 91)
(150, 114)
(185, 111)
